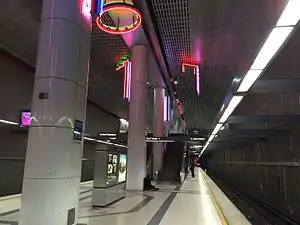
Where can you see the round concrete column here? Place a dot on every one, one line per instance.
(53, 159)
(158, 128)
(136, 169)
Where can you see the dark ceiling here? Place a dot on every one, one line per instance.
(222, 35)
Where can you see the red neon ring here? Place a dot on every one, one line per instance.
(116, 30)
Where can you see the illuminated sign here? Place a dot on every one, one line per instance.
(107, 134)
(122, 168)
(112, 166)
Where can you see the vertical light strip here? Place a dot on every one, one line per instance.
(86, 8)
(125, 81)
(165, 108)
(129, 80)
(169, 109)
(197, 80)
(182, 68)
(100, 6)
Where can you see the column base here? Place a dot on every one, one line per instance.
(49, 201)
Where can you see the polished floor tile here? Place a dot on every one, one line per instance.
(191, 204)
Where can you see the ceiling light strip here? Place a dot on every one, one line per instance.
(285, 25)
(217, 128)
(231, 107)
(249, 80)
(290, 15)
(275, 40)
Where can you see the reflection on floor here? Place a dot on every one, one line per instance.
(188, 204)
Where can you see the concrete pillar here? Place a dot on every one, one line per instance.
(136, 169)
(53, 159)
(158, 128)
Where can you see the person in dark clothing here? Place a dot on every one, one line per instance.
(192, 168)
(147, 184)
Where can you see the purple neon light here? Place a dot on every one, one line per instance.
(25, 119)
(129, 81)
(165, 108)
(197, 80)
(86, 8)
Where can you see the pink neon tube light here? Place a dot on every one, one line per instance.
(127, 78)
(125, 82)
(196, 73)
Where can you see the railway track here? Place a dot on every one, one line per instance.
(257, 212)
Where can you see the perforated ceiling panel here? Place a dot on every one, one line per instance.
(111, 47)
(173, 18)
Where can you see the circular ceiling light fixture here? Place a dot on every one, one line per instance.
(125, 17)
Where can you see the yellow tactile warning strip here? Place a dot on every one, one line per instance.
(216, 205)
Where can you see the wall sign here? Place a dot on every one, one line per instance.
(78, 130)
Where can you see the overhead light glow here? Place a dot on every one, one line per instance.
(104, 142)
(197, 146)
(8, 122)
(107, 134)
(123, 121)
(249, 80)
(197, 139)
(291, 14)
(231, 107)
(270, 47)
(217, 128)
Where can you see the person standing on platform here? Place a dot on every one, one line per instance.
(192, 167)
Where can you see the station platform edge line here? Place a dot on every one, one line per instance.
(216, 205)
